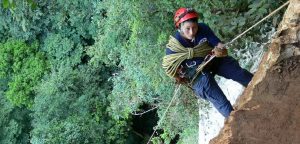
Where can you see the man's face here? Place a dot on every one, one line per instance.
(188, 30)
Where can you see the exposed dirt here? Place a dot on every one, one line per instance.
(269, 110)
(272, 116)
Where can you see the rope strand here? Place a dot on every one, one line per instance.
(269, 15)
(159, 122)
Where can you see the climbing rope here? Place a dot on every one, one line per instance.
(171, 62)
(175, 93)
(201, 66)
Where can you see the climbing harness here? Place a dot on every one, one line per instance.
(201, 66)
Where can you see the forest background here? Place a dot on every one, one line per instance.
(80, 71)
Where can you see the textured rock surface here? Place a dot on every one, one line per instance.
(268, 112)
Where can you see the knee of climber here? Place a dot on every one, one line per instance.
(198, 89)
(233, 71)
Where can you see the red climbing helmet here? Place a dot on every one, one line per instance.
(183, 14)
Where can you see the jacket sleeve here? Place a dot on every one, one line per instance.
(168, 51)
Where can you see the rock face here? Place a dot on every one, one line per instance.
(268, 112)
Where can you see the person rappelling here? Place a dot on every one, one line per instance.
(192, 44)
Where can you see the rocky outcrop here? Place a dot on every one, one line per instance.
(268, 112)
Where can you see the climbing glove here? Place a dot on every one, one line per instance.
(220, 52)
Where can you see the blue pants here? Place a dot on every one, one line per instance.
(206, 87)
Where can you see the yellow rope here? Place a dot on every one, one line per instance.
(171, 62)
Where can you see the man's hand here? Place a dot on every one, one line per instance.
(220, 50)
(220, 46)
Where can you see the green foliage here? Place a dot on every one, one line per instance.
(12, 4)
(70, 107)
(75, 19)
(189, 135)
(229, 18)
(128, 42)
(14, 123)
(62, 50)
(23, 65)
(105, 61)
(134, 36)
(71, 104)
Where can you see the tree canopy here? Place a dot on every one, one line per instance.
(76, 71)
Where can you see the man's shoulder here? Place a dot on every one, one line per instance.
(203, 26)
(177, 35)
